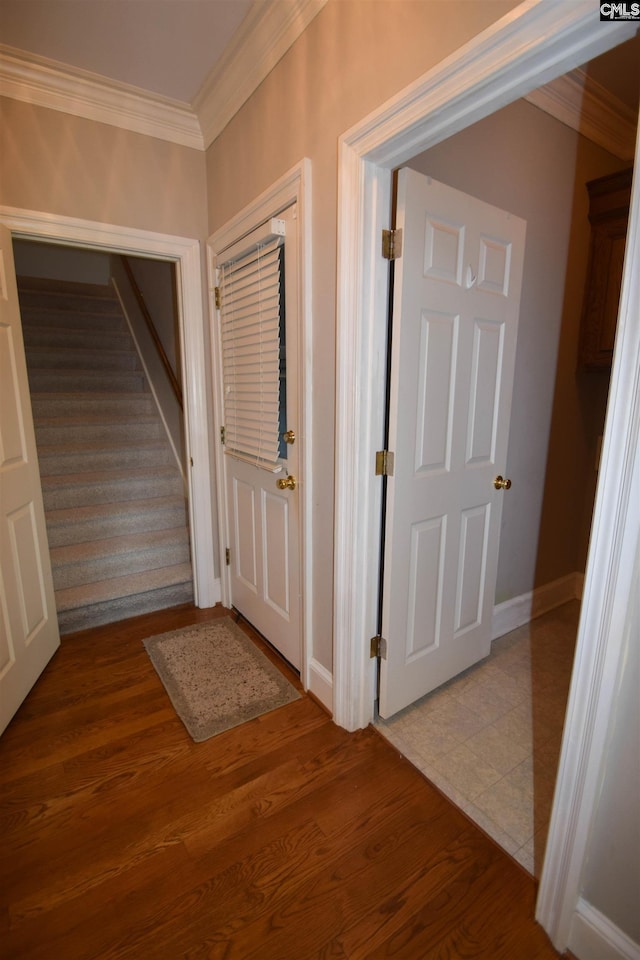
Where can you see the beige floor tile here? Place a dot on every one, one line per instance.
(491, 746)
(485, 702)
(490, 739)
(510, 808)
(454, 718)
(466, 772)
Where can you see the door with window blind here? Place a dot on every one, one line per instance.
(258, 287)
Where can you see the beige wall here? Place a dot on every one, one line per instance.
(353, 57)
(56, 163)
(524, 161)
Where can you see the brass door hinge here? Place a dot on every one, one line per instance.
(227, 556)
(217, 296)
(384, 463)
(223, 435)
(392, 244)
(378, 647)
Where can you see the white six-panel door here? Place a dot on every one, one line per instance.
(28, 623)
(455, 317)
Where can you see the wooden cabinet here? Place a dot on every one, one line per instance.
(608, 214)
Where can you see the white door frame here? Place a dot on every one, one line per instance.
(185, 253)
(536, 42)
(293, 187)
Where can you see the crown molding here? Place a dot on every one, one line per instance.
(588, 108)
(264, 36)
(48, 83)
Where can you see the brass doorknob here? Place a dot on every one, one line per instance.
(286, 483)
(289, 436)
(501, 484)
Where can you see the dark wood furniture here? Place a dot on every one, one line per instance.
(608, 214)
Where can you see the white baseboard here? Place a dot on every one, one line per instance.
(594, 937)
(321, 684)
(514, 613)
(215, 595)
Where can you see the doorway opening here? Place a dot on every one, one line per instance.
(493, 736)
(184, 254)
(103, 357)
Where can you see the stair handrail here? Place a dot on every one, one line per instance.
(173, 380)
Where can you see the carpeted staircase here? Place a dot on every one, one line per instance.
(113, 494)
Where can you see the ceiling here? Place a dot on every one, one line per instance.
(207, 56)
(167, 47)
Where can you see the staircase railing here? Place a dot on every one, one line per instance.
(175, 386)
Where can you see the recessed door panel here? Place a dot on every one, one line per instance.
(443, 250)
(495, 265)
(246, 558)
(436, 386)
(484, 391)
(275, 541)
(472, 560)
(11, 433)
(426, 572)
(23, 537)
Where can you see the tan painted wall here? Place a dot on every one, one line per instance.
(353, 57)
(56, 163)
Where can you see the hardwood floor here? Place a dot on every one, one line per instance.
(284, 839)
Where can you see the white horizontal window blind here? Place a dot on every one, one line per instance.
(251, 308)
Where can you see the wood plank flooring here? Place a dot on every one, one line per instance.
(284, 839)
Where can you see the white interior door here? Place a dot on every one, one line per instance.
(455, 317)
(263, 518)
(28, 623)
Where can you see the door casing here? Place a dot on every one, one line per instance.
(530, 46)
(185, 253)
(293, 187)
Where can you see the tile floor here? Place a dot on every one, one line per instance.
(490, 738)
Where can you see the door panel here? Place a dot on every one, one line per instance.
(455, 314)
(28, 623)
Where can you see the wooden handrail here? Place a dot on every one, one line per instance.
(177, 389)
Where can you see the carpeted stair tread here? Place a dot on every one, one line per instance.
(75, 458)
(93, 338)
(110, 429)
(94, 614)
(109, 486)
(92, 403)
(78, 564)
(120, 587)
(81, 359)
(52, 318)
(105, 520)
(52, 286)
(42, 379)
(115, 546)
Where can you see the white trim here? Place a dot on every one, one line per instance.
(582, 104)
(320, 684)
(535, 42)
(264, 36)
(608, 590)
(594, 937)
(150, 381)
(293, 187)
(514, 613)
(185, 252)
(46, 83)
